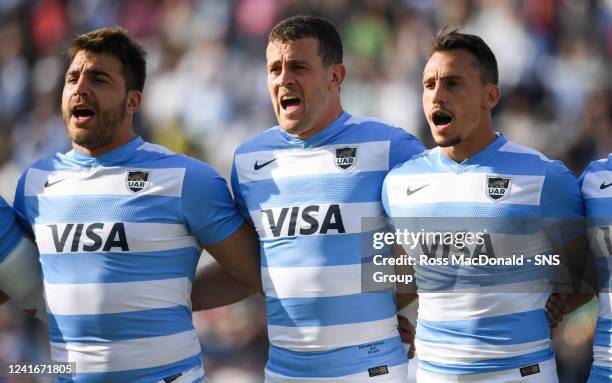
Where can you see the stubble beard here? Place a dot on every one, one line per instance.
(106, 125)
(450, 142)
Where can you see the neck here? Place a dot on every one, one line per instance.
(329, 117)
(118, 141)
(469, 146)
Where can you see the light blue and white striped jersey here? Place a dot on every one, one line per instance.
(119, 238)
(306, 199)
(474, 319)
(10, 231)
(596, 185)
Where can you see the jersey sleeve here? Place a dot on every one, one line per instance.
(561, 204)
(206, 204)
(10, 231)
(403, 147)
(19, 203)
(238, 197)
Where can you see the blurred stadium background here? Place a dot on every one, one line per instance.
(206, 93)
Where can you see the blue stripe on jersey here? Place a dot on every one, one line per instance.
(328, 311)
(118, 327)
(349, 249)
(603, 332)
(467, 211)
(109, 267)
(497, 330)
(489, 365)
(517, 164)
(10, 231)
(143, 375)
(604, 271)
(600, 374)
(361, 187)
(599, 207)
(75, 208)
(324, 364)
(456, 277)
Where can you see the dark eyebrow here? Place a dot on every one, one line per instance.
(91, 72)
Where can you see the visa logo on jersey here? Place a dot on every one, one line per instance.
(83, 237)
(301, 220)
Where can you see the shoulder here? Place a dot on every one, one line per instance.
(422, 162)
(267, 140)
(376, 129)
(596, 178)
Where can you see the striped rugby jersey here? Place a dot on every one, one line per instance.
(596, 184)
(474, 319)
(306, 199)
(119, 238)
(10, 231)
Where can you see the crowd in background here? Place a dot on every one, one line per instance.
(206, 93)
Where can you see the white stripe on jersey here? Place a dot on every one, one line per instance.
(465, 187)
(444, 353)
(591, 187)
(102, 181)
(598, 242)
(605, 307)
(371, 156)
(602, 356)
(107, 298)
(315, 281)
(321, 338)
(396, 374)
(128, 355)
(141, 237)
(482, 304)
(149, 147)
(351, 213)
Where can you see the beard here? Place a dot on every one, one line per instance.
(450, 142)
(105, 126)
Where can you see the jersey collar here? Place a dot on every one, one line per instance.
(479, 158)
(322, 136)
(107, 158)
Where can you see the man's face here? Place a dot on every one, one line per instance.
(455, 101)
(300, 86)
(94, 100)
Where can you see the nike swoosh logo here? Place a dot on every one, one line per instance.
(259, 166)
(411, 192)
(604, 185)
(47, 184)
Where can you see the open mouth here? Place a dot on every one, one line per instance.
(82, 113)
(290, 103)
(441, 118)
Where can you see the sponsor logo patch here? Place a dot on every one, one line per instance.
(530, 370)
(380, 370)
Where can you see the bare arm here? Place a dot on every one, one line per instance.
(237, 275)
(215, 287)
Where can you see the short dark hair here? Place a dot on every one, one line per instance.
(116, 42)
(300, 27)
(447, 40)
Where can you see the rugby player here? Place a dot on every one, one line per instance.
(306, 184)
(20, 278)
(120, 223)
(596, 186)
(473, 326)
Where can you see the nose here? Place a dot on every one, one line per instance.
(285, 77)
(81, 87)
(438, 94)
